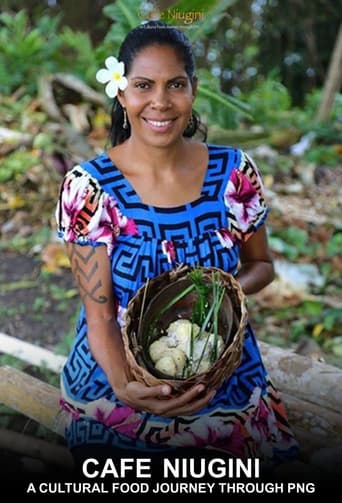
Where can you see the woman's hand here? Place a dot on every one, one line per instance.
(160, 401)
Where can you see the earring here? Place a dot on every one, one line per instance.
(191, 122)
(125, 122)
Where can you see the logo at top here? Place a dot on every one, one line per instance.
(151, 11)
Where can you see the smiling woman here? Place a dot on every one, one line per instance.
(155, 200)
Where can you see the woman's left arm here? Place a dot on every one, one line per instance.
(256, 270)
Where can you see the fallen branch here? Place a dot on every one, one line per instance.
(31, 353)
(11, 140)
(47, 96)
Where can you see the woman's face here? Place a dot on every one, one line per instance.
(159, 96)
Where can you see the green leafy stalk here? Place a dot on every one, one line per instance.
(225, 100)
(219, 294)
(176, 299)
(201, 305)
(168, 305)
(192, 346)
(202, 330)
(210, 321)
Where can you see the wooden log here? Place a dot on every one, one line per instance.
(304, 378)
(311, 391)
(314, 426)
(30, 396)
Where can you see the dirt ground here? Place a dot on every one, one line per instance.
(33, 306)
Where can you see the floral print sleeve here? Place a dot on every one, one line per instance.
(244, 198)
(85, 214)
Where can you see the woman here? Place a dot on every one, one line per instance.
(156, 199)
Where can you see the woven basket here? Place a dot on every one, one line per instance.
(141, 316)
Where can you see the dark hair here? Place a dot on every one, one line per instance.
(145, 35)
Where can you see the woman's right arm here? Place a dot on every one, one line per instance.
(91, 268)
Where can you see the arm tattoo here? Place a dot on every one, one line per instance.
(85, 269)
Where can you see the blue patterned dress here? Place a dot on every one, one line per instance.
(98, 206)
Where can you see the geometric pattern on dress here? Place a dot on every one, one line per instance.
(135, 258)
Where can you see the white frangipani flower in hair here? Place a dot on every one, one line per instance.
(113, 75)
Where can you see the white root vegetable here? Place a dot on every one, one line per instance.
(172, 353)
(160, 354)
(179, 358)
(157, 349)
(166, 365)
(179, 334)
(204, 346)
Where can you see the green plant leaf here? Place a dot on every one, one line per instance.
(225, 100)
(131, 18)
(125, 14)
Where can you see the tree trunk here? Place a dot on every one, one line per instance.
(333, 80)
